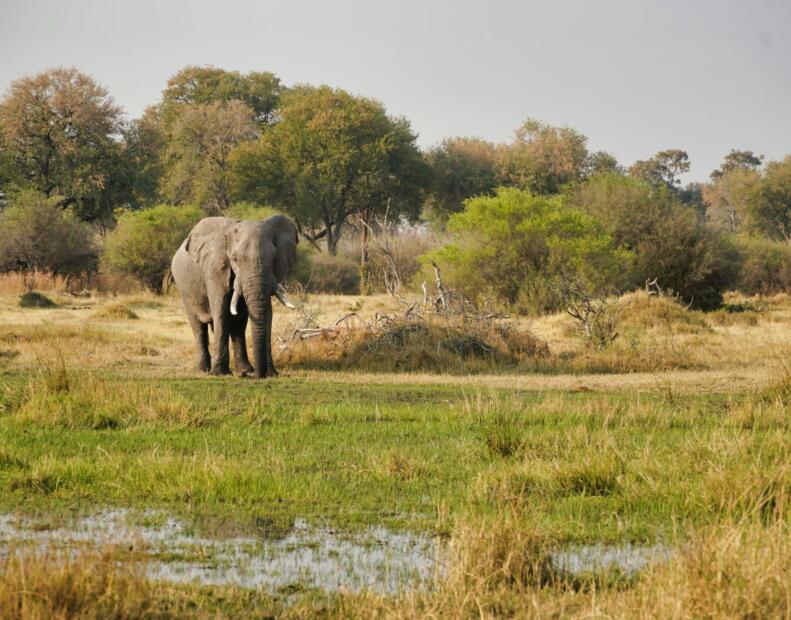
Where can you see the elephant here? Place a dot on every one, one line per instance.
(226, 271)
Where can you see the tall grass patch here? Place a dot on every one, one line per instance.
(59, 397)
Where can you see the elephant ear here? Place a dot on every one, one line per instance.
(285, 242)
(207, 245)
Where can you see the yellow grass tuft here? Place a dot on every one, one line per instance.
(118, 311)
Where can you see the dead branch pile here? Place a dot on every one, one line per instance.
(443, 333)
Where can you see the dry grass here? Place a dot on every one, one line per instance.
(56, 396)
(110, 584)
(657, 335)
(737, 564)
(58, 586)
(730, 571)
(661, 344)
(115, 312)
(409, 345)
(16, 284)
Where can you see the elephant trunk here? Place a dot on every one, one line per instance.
(262, 334)
(258, 297)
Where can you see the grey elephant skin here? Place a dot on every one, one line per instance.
(227, 271)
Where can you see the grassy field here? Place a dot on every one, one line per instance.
(678, 434)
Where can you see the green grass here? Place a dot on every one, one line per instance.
(227, 453)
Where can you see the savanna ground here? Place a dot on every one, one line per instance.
(677, 434)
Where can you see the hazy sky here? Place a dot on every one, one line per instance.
(634, 76)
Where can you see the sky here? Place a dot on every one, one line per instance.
(634, 76)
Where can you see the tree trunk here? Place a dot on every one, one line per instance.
(332, 242)
(364, 280)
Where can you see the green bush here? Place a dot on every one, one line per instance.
(519, 248)
(668, 239)
(144, 242)
(765, 266)
(38, 235)
(320, 272)
(249, 211)
(34, 299)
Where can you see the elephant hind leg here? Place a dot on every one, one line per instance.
(201, 333)
(220, 358)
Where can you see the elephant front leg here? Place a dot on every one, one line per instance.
(241, 362)
(220, 358)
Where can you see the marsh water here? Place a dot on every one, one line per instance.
(306, 556)
(627, 559)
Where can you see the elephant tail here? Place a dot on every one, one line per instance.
(167, 281)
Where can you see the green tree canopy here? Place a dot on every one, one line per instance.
(61, 136)
(461, 168)
(544, 158)
(602, 162)
(143, 242)
(38, 235)
(769, 203)
(260, 90)
(197, 155)
(331, 156)
(668, 239)
(744, 160)
(662, 168)
(517, 247)
(727, 197)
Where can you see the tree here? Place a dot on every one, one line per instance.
(765, 267)
(461, 168)
(601, 162)
(769, 202)
(668, 239)
(261, 91)
(518, 247)
(204, 113)
(198, 153)
(662, 168)
(330, 157)
(543, 158)
(38, 236)
(737, 160)
(61, 136)
(726, 197)
(141, 172)
(143, 242)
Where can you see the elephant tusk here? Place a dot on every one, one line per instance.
(237, 293)
(281, 297)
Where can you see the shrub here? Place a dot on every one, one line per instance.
(115, 312)
(417, 344)
(517, 247)
(765, 266)
(320, 272)
(249, 211)
(669, 241)
(34, 299)
(394, 257)
(144, 242)
(38, 235)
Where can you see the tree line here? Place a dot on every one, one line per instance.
(77, 176)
